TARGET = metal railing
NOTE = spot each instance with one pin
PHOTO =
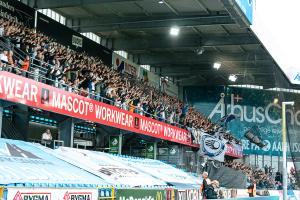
(38, 73)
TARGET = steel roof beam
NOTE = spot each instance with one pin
(140, 22)
(72, 3)
(182, 42)
(161, 59)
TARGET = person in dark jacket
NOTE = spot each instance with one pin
(206, 182)
(210, 191)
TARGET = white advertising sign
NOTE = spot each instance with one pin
(51, 194)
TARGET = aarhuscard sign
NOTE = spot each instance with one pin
(252, 108)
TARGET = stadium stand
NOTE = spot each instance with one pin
(90, 77)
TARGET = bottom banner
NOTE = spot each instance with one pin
(188, 194)
(140, 194)
(51, 194)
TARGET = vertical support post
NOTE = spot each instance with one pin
(1, 116)
(284, 149)
(284, 172)
(35, 15)
(120, 144)
(35, 19)
(155, 150)
(66, 132)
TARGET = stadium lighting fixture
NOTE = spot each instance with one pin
(161, 1)
(174, 31)
(217, 65)
(232, 77)
(199, 51)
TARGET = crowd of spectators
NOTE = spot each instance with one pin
(88, 76)
(293, 178)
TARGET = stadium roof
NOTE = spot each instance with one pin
(141, 27)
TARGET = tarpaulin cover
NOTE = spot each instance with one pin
(108, 168)
(161, 171)
(228, 178)
(26, 164)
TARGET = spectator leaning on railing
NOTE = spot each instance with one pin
(88, 76)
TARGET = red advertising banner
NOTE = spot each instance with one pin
(18, 89)
(234, 151)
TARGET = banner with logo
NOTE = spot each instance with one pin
(150, 150)
(23, 162)
(114, 144)
(252, 108)
(105, 166)
(25, 91)
(234, 150)
(140, 194)
(51, 194)
(212, 147)
(124, 65)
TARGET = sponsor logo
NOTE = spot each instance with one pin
(136, 198)
(253, 114)
(211, 146)
(158, 196)
(32, 196)
(136, 123)
(78, 196)
(297, 77)
(150, 148)
(45, 96)
(114, 141)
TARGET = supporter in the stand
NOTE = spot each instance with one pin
(89, 74)
(47, 137)
(3, 56)
(25, 66)
(278, 177)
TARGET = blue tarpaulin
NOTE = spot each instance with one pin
(27, 164)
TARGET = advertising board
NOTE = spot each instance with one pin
(253, 109)
(25, 91)
(51, 194)
(140, 194)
